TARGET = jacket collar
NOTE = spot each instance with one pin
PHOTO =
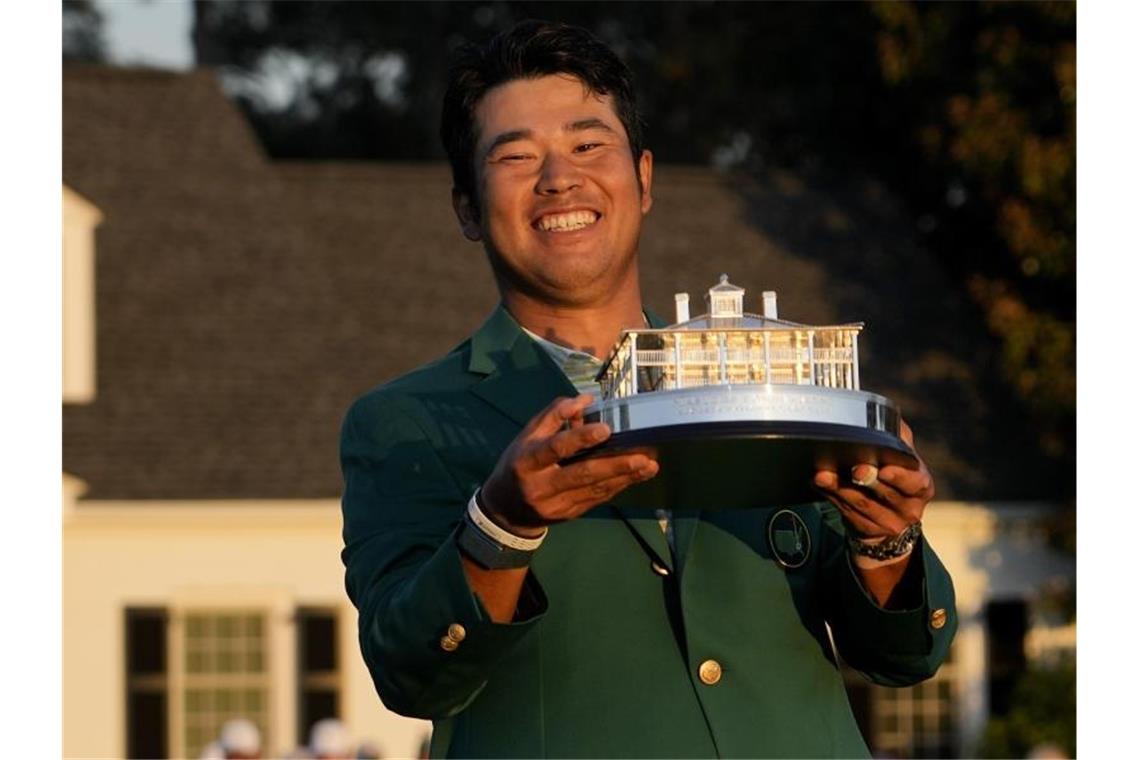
(520, 378)
(497, 337)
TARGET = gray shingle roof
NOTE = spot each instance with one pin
(242, 304)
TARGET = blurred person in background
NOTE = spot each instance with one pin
(329, 740)
(1047, 751)
(368, 750)
(240, 740)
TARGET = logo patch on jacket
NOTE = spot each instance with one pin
(789, 539)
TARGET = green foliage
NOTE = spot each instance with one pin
(1045, 711)
(82, 31)
(993, 131)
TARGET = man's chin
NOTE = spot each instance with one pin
(579, 286)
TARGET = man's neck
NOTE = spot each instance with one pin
(591, 329)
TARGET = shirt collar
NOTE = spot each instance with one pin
(579, 367)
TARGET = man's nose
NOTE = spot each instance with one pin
(558, 175)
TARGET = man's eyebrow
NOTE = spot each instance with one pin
(507, 137)
(584, 124)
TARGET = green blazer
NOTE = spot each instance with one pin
(604, 657)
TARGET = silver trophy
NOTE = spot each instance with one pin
(742, 409)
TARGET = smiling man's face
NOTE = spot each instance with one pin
(560, 204)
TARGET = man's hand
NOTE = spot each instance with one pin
(529, 489)
(880, 505)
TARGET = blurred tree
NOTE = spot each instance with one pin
(965, 110)
(984, 108)
(1044, 712)
(82, 31)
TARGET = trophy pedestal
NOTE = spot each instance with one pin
(732, 447)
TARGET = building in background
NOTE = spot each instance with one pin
(221, 312)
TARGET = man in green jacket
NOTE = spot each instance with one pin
(500, 593)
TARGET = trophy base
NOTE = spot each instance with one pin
(720, 448)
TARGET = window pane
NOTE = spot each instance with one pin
(194, 700)
(224, 700)
(227, 626)
(195, 662)
(316, 704)
(317, 642)
(146, 724)
(146, 701)
(146, 641)
(252, 701)
(197, 626)
(317, 659)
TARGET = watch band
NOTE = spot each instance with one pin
(503, 536)
(489, 545)
(890, 548)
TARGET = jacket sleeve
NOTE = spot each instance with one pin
(890, 647)
(401, 506)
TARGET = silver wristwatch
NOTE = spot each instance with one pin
(889, 549)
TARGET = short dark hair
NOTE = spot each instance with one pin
(528, 50)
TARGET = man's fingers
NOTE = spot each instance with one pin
(910, 484)
(889, 518)
(587, 472)
(580, 500)
(565, 443)
(555, 416)
(855, 519)
(905, 433)
(890, 521)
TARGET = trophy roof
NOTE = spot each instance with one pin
(745, 321)
(724, 286)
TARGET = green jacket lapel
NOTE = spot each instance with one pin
(520, 378)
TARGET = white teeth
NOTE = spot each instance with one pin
(575, 220)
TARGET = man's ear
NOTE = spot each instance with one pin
(645, 173)
(468, 215)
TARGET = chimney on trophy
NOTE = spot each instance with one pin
(769, 297)
(682, 300)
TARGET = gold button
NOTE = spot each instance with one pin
(448, 644)
(659, 568)
(710, 671)
(456, 632)
(938, 618)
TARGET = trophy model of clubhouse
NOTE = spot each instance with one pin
(742, 409)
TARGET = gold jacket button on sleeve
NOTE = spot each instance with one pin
(938, 618)
(456, 632)
(710, 672)
(659, 568)
(448, 644)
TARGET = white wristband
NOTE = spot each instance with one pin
(504, 537)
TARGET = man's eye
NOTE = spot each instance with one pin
(585, 147)
(514, 157)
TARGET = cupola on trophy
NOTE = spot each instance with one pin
(741, 408)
